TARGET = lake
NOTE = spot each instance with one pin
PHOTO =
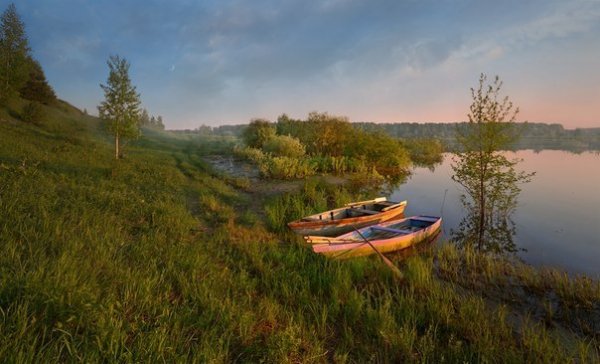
(558, 218)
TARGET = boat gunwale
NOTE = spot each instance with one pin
(333, 248)
(300, 224)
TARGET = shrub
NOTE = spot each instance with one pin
(258, 132)
(32, 112)
(381, 151)
(287, 168)
(251, 154)
(284, 146)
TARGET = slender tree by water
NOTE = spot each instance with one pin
(490, 180)
(121, 107)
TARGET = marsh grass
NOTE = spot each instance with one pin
(156, 258)
(314, 196)
(572, 302)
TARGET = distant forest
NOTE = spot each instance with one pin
(536, 136)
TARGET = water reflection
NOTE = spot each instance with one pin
(557, 222)
(498, 236)
(417, 249)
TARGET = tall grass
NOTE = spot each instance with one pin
(156, 259)
(314, 196)
(285, 168)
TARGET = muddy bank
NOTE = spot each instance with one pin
(239, 168)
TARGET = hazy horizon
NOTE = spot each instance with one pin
(226, 62)
(225, 123)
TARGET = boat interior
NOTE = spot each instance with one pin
(403, 227)
(353, 211)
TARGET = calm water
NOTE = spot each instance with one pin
(558, 218)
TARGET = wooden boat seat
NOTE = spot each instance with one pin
(398, 231)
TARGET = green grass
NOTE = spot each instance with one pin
(158, 258)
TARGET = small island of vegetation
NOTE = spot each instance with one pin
(330, 144)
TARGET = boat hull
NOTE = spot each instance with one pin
(327, 227)
(361, 248)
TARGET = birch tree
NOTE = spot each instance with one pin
(121, 106)
(490, 180)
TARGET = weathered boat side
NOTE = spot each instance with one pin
(330, 226)
(358, 247)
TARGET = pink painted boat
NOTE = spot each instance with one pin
(385, 237)
(345, 219)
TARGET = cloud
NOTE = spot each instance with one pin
(558, 20)
(230, 59)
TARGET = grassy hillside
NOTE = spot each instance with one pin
(158, 258)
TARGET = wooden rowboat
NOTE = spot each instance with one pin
(385, 237)
(345, 219)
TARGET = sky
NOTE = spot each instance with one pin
(227, 62)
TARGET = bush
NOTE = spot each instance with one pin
(32, 112)
(284, 146)
(381, 151)
(258, 132)
(251, 154)
(287, 168)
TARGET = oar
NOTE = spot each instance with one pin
(383, 257)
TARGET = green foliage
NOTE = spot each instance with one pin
(150, 122)
(314, 196)
(146, 260)
(257, 133)
(14, 53)
(384, 153)
(339, 165)
(321, 133)
(252, 154)
(328, 134)
(36, 88)
(32, 112)
(337, 147)
(287, 168)
(537, 136)
(121, 106)
(271, 166)
(284, 146)
(490, 180)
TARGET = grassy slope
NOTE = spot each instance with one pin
(154, 258)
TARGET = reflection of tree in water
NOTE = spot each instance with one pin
(498, 236)
(501, 190)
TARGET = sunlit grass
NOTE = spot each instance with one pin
(157, 258)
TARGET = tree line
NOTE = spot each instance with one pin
(20, 74)
(535, 136)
